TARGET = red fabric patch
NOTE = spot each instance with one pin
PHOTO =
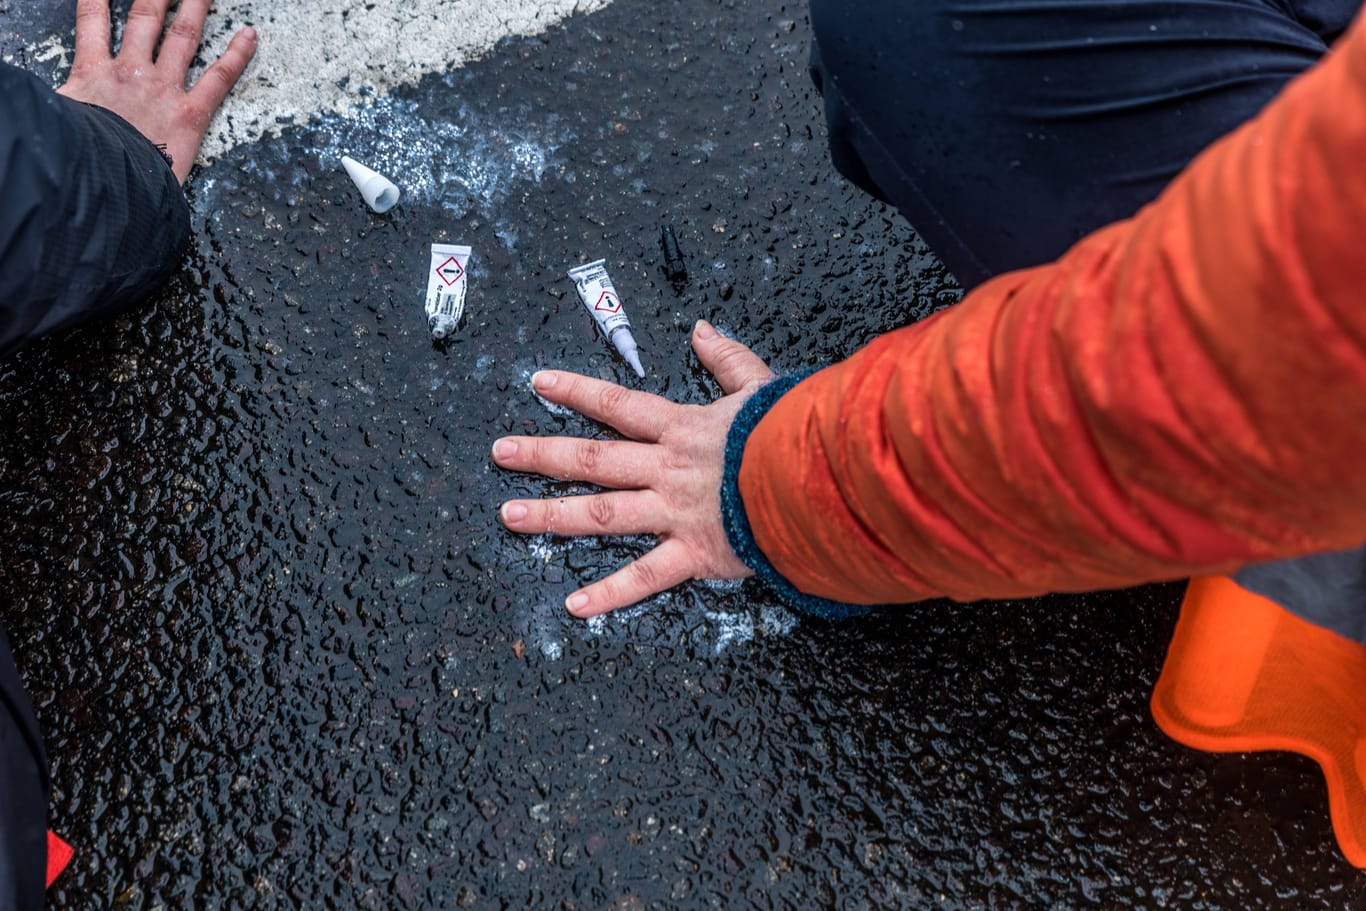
(59, 854)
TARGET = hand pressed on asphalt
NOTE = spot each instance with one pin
(146, 87)
(665, 480)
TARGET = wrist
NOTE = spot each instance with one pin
(736, 520)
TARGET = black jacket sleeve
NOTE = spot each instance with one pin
(91, 218)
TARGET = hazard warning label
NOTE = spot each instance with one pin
(608, 302)
(450, 271)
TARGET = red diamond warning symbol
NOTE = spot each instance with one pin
(608, 303)
(450, 271)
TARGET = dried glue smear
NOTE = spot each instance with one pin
(446, 288)
(600, 297)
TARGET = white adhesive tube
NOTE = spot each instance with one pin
(600, 297)
(446, 288)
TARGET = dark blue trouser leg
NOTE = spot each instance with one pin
(1006, 130)
(23, 794)
(1326, 589)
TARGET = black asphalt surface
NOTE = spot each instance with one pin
(286, 657)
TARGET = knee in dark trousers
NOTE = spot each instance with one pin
(1005, 132)
(23, 794)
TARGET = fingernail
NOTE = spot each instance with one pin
(514, 512)
(504, 449)
(249, 33)
(542, 379)
(576, 602)
(704, 330)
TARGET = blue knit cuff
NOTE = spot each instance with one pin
(736, 523)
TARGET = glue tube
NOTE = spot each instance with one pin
(446, 288)
(600, 297)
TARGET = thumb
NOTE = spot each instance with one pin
(734, 365)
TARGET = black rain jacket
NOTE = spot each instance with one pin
(91, 221)
(91, 218)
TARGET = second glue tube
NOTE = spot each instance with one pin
(598, 294)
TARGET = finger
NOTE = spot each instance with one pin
(183, 36)
(92, 32)
(733, 364)
(659, 570)
(607, 463)
(142, 31)
(220, 77)
(616, 512)
(638, 415)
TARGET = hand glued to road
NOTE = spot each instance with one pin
(144, 84)
(664, 479)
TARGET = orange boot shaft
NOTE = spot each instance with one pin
(1244, 674)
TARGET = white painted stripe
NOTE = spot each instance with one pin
(329, 56)
(317, 56)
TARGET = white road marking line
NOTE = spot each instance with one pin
(328, 55)
(320, 56)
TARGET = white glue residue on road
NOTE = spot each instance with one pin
(465, 164)
(680, 615)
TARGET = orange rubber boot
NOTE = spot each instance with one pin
(1243, 673)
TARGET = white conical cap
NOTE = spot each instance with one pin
(379, 191)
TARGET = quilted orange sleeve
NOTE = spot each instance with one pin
(1182, 392)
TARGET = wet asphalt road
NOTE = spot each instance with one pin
(286, 658)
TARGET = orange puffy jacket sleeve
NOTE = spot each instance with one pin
(1183, 392)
